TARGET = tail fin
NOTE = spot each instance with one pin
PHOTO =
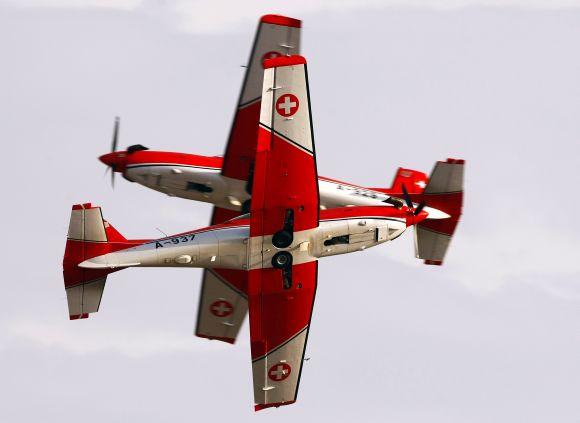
(89, 235)
(443, 192)
(413, 180)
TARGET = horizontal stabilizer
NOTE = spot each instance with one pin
(85, 298)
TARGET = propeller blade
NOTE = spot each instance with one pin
(407, 197)
(113, 177)
(419, 208)
(115, 135)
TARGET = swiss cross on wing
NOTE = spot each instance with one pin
(287, 105)
(279, 372)
(221, 308)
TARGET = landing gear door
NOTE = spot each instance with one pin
(336, 238)
(382, 233)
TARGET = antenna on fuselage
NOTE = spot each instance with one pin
(162, 232)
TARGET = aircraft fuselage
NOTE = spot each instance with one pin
(228, 246)
(199, 178)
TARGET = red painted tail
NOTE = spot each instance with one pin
(413, 180)
(89, 235)
(443, 192)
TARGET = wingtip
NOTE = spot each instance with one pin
(259, 407)
(83, 206)
(455, 161)
(434, 262)
(281, 20)
(216, 338)
(280, 61)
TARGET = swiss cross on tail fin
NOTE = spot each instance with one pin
(284, 213)
(413, 181)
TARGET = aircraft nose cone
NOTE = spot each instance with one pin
(116, 160)
(421, 216)
(107, 159)
(413, 219)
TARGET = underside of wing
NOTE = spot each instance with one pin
(279, 324)
(284, 214)
(223, 304)
(276, 36)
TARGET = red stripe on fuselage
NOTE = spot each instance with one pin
(165, 157)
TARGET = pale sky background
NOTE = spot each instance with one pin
(492, 336)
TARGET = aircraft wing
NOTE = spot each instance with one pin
(285, 198)
(276, 36)
(223, 304)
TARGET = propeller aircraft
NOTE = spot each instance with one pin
(274, 218)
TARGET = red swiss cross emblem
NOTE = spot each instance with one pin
(270, 55)
(279, 372)
(287, 105)
(221, 308)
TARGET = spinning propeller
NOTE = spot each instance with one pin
(114, 144)
(117, 160)
(410, 204)
(415, 212)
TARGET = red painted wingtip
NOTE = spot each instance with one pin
(79, 316)
(281, 20)
(217, 338)
(434, 262)
(456, 161)
(259, 407)
(82, 206)
(277, 62)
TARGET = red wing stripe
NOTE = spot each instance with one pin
(228, 284)
(281, 136)
(259, 407)
(281, 345)
(281, 20)
(249, 103)
(280, 61)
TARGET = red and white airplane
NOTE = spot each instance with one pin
(227, 182)
(264, 261)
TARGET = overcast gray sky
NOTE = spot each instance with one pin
(492, 336)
